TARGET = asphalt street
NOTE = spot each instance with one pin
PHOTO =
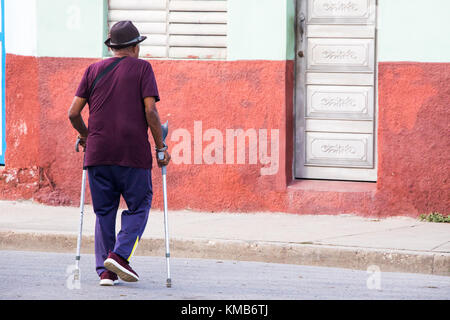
(43, 275)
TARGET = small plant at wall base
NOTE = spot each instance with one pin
(434, 217)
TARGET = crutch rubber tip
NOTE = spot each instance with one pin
(169, 283)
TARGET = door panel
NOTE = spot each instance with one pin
(345, 55)
(339, 149)
(335, 90)
(341, 11)
(340, 102)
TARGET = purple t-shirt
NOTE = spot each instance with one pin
(118, 130)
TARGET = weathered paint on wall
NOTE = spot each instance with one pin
(412, 174)
(20, 178)
(414, 30)
(413, 150)
(231, 92)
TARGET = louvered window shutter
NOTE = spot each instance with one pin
(183, 29)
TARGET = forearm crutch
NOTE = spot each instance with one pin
(80, 228)
(165, 130)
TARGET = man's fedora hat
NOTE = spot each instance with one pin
(123, 34)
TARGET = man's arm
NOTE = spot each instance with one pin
(77, 120)
(153, 121)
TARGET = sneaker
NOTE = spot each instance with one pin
(121, 267)
(108, 278)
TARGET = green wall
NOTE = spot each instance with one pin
(70, 28)
(261, 29)
(408, 30)
(414, 30)
(257, 29)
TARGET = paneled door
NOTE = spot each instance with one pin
(335, 107)
(2, 86)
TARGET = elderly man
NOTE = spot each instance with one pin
(121, 92)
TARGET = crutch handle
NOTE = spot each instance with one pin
(160, 154)
(165, 130)
(77, 144)
(161, 157)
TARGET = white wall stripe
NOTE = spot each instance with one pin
(20, 27)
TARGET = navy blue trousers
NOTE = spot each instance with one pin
(107, 184)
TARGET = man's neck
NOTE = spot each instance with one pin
(120, 55)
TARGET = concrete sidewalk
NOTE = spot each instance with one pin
(397, 244)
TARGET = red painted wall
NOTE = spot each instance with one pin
(413, 156)
(20, 178)
(414, 144)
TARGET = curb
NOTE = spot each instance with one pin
(387, 260)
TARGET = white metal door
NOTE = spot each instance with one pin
(335, 111)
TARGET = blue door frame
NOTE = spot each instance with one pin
(3, 133)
